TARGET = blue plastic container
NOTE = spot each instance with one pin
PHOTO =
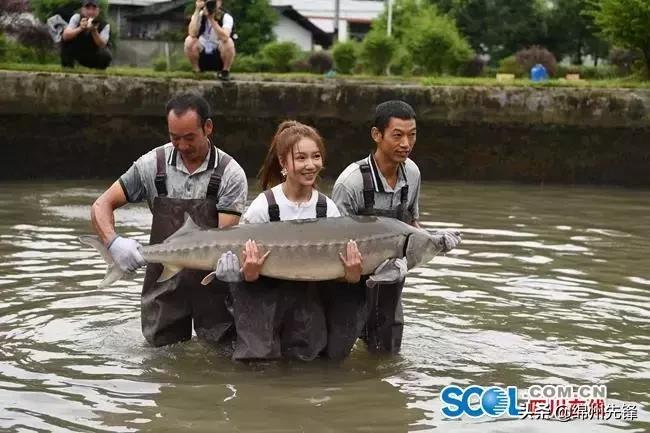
(538, 73)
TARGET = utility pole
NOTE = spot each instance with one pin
(337, 13)
(390, 17)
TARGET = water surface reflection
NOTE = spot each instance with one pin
(551, 285)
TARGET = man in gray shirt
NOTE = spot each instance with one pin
(186, 176)
(85, 38)
(386, 183)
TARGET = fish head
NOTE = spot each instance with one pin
(421, 247)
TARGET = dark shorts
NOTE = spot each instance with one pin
(210, 62)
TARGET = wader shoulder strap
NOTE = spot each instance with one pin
(321, 206)
(217, 174)
(274, 209)
(403, 202)
(404, 196)
(161, 173)
(368, 187)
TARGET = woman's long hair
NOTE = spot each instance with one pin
(287, 135)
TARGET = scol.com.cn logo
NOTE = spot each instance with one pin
(558, 402)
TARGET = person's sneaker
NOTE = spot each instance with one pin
(224, 75)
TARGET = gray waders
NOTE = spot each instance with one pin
(295, 320)
(385, 320)
(169, 307)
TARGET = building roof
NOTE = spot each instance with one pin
(158, 9)
(143, 3)
(350, 10)
(321, 37)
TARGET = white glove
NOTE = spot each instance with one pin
(228, 268)
(390, 271)
(126, 253)
(450, 239)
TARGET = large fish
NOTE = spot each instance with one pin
(301, 250)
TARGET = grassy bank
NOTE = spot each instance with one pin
(306, 78)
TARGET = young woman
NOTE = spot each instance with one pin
(288, 319)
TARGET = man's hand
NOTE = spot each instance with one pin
(228, 268)
(390, 271)
(83, 24)
(199, 5)
(126, 253)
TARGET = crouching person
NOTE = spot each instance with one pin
(85, 38)
(290, 319)
(210, 44)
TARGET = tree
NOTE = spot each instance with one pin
(431, 39)
(500, 27)
(626, 23)
(572, 32)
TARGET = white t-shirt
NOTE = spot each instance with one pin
(209, 39)
(258, 211)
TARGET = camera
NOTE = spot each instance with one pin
(211, 6)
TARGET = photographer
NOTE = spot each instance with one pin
(210, 45)
(85, 38)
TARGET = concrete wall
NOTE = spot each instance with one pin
(58, 125)
(287, 30)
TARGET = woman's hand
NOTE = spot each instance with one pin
(252, 261)
(352, 262)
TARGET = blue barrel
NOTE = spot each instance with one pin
(538, 73)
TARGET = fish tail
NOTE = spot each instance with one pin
(113, 272)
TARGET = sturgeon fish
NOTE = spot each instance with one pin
(301, 250)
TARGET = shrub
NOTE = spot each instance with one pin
(300, 65)
(602, 72)
(509, 65)
(529, 57)
(4, 46)
(280, 55)
(345, 56)
(15, 52)
(14, 6)
(178, 63)
(43, 9)
(245, 63)
(403, 62)
(248, 63)
(378, 51)
(320, 62)
(624, 60)
(473, 67)
(159, 64)
(437, 46)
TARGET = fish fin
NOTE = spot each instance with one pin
(168, 272)
(113, 272)
(96, 243)
(188, 227)
(209, 278)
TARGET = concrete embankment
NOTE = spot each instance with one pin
(74, 126)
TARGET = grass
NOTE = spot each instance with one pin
(125, 71)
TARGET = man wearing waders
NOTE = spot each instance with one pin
(386, 183)
(191, 176)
